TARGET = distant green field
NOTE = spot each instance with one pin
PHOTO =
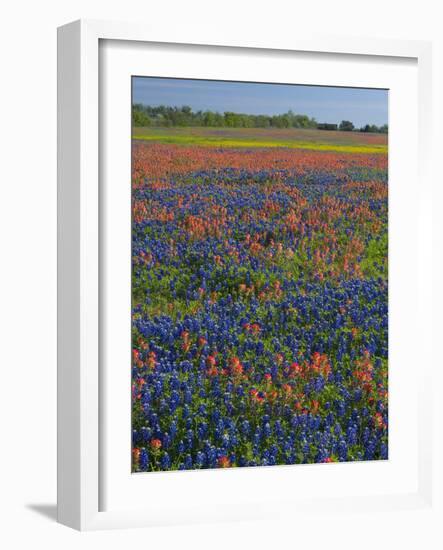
(320, 140)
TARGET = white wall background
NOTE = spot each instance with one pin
(28, 267)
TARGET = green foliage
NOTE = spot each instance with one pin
(375, 258)
(165, 116)
(140, 116)
(184, 116)
(373, 129)
(346, 126)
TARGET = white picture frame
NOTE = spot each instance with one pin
(80, 413)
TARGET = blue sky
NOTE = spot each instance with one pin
(324, 103)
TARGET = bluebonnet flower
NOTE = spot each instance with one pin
(290, 243)
(144, 459)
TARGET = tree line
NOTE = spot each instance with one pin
(165, 116)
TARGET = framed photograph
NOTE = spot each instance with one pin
(243, 281)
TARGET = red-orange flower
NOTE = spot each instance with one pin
(151, 360)
(224, 462)
(155, 444)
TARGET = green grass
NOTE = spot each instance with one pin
(376, 255)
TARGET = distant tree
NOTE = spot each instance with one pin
(218, 119)
(231, 119)
(167, 116)
(302, 121)
(139, 117)
(281, 121)
(209, 118)
(262, 121)
(346, 126)
(374, 129)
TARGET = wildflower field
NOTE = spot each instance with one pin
(260, 298)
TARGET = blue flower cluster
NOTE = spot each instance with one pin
(260, 317)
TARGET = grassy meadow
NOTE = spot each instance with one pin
(295, 138)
